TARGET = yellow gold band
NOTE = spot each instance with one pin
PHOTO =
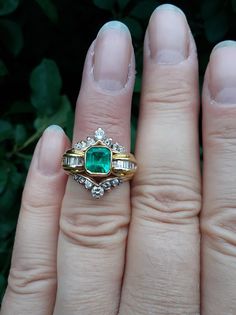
(123, 165)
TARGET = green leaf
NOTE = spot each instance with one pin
(7, 200)
(144, 9)
(49, 9)
(45, 82)
(6, 130)
(216, 27)
(59, 118)
(11, 36)
(20, 134)
(8, 197)
(3, 69)
(3, 178)
(15, 179)
(104, 4)
(134, 27)
(123, 3)
(6, 228)
(8, 6)
(20, 107)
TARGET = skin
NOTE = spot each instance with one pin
(138, 250)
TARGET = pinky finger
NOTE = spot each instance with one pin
(32, 279)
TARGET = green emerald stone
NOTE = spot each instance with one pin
(98, 160)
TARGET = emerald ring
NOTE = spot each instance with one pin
(99, 164)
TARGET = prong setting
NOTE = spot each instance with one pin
(99, 164)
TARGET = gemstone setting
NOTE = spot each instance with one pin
(99, 164)
(99, 134)
(97, 192)
(98, 160)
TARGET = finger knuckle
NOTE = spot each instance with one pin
(136, 302)
(219, 229)
(173, 99)
(42, 198)
(108, 119)
(223, 139)
(32, 279)
(168, 200)
(38, 209)
(95, 229)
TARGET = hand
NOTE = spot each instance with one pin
(76, 255)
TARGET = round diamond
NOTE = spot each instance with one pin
(78, 146)
(90, 141)
(121, 149)
(88, 184)
(83, 144)
(115, 146)
(108, 142)
(99, 134)
(115, 182)
(106, 185)
(118, 148)
(97, 191)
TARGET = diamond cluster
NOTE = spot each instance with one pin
(97, 162)
(97, 190)
(99, 135)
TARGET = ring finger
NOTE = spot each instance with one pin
(92, 237)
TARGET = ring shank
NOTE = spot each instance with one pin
(123, 165)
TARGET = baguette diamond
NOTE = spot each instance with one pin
(123, 164)
(73, 161)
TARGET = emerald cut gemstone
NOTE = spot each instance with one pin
(98, 160)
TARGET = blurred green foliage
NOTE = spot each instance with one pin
(42, 48)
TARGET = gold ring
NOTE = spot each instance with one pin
(99, 164)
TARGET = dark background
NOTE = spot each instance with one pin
(42, 49)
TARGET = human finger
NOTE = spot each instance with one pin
(32, 279)
(92, 240)
(219, 183)
(162, 268)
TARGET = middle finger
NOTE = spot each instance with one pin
(162, 270)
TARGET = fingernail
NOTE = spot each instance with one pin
(222, 73)
(168, 34)
(225, 43)
(50, 151)
(112, 54)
